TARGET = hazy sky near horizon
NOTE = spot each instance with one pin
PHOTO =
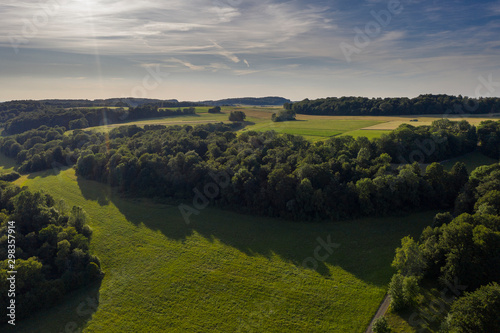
(212, 49)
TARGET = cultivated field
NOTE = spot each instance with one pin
(224, 272)
(313, 128)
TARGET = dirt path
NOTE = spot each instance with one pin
(382, 309)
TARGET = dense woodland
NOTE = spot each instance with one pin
(274, 174)
(423, 104)
(52, 254)
(462, 250)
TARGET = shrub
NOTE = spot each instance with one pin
(381, 326)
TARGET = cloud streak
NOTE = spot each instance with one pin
(264, 40)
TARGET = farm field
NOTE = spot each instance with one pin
(370, 134)
(224, 271)
(422, 121)
(313, 128)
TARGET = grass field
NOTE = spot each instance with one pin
(310, 127)
(471, 161)
(224, 272)
(370, 134)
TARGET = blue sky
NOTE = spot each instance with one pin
(211, 49)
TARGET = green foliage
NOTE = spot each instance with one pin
(283, 115)
(489, 138)
(409, 260)
(476, 312)
(489, 203)
(423, 104)
(9, 177)
(403, 291)
(442, 218)
(237, 116)
(381, 325)
(49, 251)
(215, 109)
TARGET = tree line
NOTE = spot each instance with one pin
(423, 104)
(82, 117)
(275, 174)
(52, 256)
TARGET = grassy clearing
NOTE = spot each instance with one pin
(7, 164)
(224, 272)
(471, 160)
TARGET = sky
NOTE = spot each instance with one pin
(212, 49)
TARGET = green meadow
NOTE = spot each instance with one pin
(222, 272)
(317, 128)
(259, 119)
(370, 134)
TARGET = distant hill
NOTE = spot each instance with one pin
(135, 102)
(119, 102)
(248, 101)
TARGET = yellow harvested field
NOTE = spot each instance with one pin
(394, 122)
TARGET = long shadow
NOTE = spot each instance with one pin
(244, 124)
(71, 315)
(364, 248)
(54, 171)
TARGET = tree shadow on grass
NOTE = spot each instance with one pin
(364, 248)
(55, 171)
(71, 315)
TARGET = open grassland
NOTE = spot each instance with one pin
(312, 127)
(224, 272)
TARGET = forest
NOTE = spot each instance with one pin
(277, 175)
(52, 256)
(461, 250)
(423, 104)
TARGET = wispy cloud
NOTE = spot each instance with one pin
(268, 39)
